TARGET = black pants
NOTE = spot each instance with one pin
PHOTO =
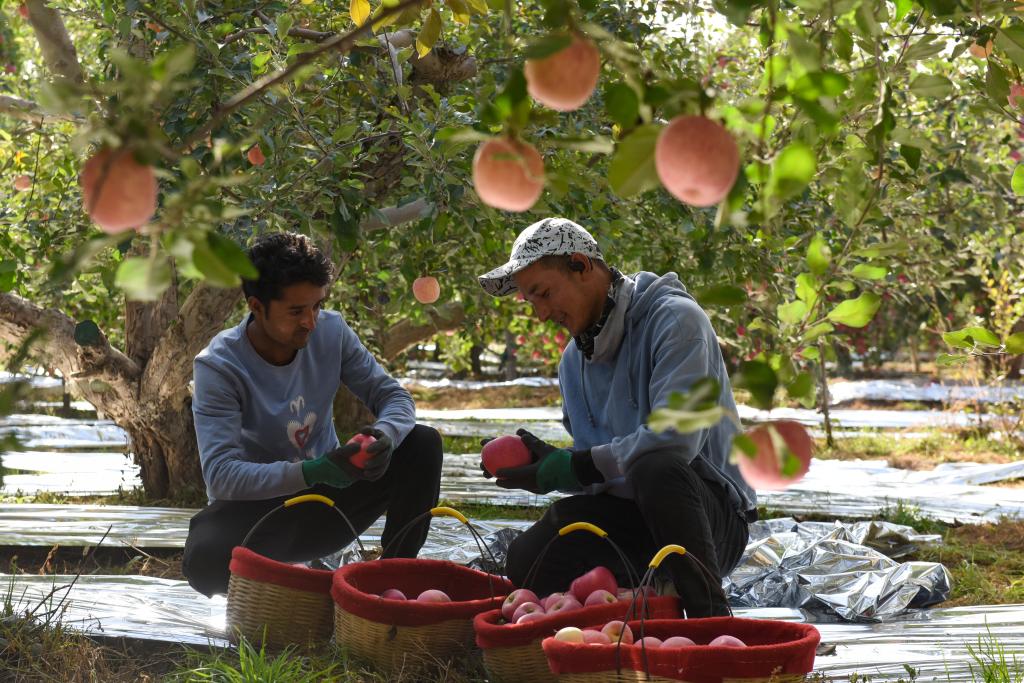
(672, 505)
(409, 488)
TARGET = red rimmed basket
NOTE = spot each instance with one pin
(512, 652)
(406, 634)
(776, 652)
(276, 603)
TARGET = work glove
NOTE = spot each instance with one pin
(552, 468)
(333, 468)
(380, 452)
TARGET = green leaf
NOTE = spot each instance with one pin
(701, 395)
(792, 312)
(232, 255)
(143, 280)
(359, 10)
(866, 271)
(722, 295)
(1017, 181)
(819, 256)
(213, 269)
(743, 446)
(930, 86)
(842, 43)
(816, 331)
(912, 156)
(1011, 39)
(631, 171)
(285, 23)
(997, 83)
(856, 312)
(792, 169)
(684, 421)
(622, 104)
(947, 360)
(902, 7)
(1015, 343)
(87, 333)
(758, 378)
(460, 11)
(807, 289)
(429, 34)
(548, 45)
(969, 337)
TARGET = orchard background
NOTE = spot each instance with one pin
(876, 209)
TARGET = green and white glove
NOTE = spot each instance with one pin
(334, 468)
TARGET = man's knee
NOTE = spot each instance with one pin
(424, 445)
(205, 566)
(658, 470)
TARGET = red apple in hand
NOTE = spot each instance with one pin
(515, 599)
(597, 578)
(359, 458)
(393, 594)
(433, 595)
(505, 451)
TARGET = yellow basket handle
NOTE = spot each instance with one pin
(309, 498)
(582, 526)
(443, 511)
(665, 552)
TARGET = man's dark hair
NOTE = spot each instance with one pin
(284, 259)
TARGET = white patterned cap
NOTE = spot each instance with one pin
(548, 237)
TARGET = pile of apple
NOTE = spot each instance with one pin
(430, 595)
(596, 587)
(613, 631)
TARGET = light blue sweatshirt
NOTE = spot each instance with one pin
(256, 422)
(666, 345)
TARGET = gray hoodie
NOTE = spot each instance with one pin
(257, 422)
(657, 340)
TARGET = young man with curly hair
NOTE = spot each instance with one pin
(263, 414)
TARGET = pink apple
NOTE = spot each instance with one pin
(595, 637)
(569, 634)
(426, 289)
(526, 608)
(505, 451)
(614, 628)
(598, 577)
(433, 595)
(677, 641)
(393, 594)
(600, 597)
(360, 457)
(530, 616)
(649, 642)
(547, 602)
(568, 603)
(515, 599)
(727, 641)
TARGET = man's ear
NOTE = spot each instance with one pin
(579, 263)
(256, 306)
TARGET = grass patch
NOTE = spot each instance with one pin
(484, 511)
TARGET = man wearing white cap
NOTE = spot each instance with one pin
(636, 340)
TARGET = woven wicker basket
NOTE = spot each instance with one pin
(277, 604)
(513, 653)
(401, 635)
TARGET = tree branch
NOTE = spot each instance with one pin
(404, 334)
(29, 111)
(339, 43)
(54, 41)
(305, 33)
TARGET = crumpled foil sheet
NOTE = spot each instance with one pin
(836, 570)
